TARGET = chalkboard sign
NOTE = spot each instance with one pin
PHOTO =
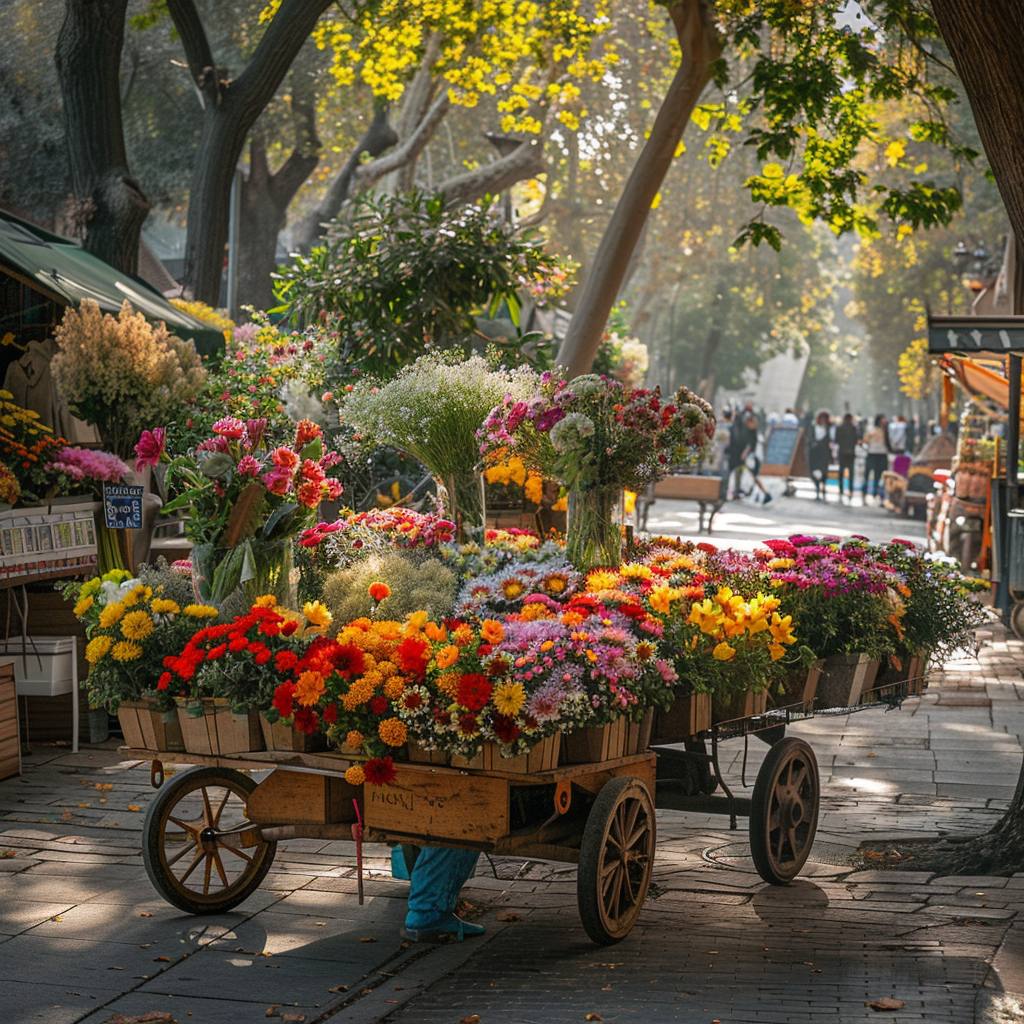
(122, 507)
(780, 449)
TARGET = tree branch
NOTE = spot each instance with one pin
(196, 45)
(410, 149)
(524, 162)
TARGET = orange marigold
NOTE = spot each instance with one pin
(309, 688)
(394, 687)
(392, 731)
(449, 683)
(354, 739)
(378, 591)
(463, 635)
(355, 776)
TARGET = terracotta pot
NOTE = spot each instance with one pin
(689, 715)
(603, 743)
(844, 678)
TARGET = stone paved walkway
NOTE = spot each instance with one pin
(83, 935)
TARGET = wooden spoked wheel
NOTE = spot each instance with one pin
(201, 852)
(784, 810)
(616, 860)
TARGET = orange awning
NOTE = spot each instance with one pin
(978, 379)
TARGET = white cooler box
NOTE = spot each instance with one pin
(46, 666)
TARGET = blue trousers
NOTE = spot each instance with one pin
(438, 875)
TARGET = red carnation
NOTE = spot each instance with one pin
(269, 628)
(283, 699)
(505, 728)
(262, 657)
(306, 721)
(238, 643)
(330, 715)
(284, 661)
(347, 660)
(412, 655)
(474, 690)
(164, 681)
(216, 652)
(378, 705)
(379, 771)
(632, 611)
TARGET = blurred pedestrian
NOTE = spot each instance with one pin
(876, 442)
(847, 437)
(819, 452)
(751, 461)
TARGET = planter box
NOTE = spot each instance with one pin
(844, 677)
(918, 681)
(729, 707)
(689, 715)
(542, 757)
(237, 734)
(800, 689)
(145, 725)
(603, 743)
(10, 753)
(198, 726)
(638, 734)
(420, 755)
(278, 736)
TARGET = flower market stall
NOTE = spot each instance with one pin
(413, 677)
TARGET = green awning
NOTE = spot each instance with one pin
(68, 274)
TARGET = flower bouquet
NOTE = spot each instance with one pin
(247, 499)
(598, 437)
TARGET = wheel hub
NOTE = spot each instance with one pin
(208, 839)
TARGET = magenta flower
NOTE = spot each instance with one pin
(229, 427)
(150, 448)
(249, 466)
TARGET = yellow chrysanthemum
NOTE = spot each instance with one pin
(317, 614)
(533, 612)
(82, 605)
(602, 579)
(636, 571)
(355, 776)
(126, 650)
(97, 648)
(136, 625)
(164, 606)
(509, 698)
(265, 601)
(200, 611)
(111, 615)
(354, 739)
(386, 668)
(392, 731)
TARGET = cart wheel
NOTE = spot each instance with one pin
(201, 852)
(1017, 619)
(784, 810)
(616, 859)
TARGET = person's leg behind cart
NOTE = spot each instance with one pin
(437, 876)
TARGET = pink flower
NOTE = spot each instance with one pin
(83, 464)
(254, 431)
(229, 427)
(249, 466)
(278, 481)
(284, 458)
(150, 448)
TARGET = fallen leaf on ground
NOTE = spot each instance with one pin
(368, 938)
(320, 924)
(473, 1019)
(338, 988)
(272, 1010)
(132, 807)
(886, 1005)
(297, 1017)
(115, 968)
(56, 917)
(161, 959)
(145, 913)
(594, 1016)
(156, 1017)
(7, 853)
(508, 915)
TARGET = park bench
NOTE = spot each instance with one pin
(708, 491)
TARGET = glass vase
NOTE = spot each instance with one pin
(232, 578)
(593, 536)
(464, 504)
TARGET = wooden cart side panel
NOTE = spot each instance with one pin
(436, 806)
(300, 798)
(644, 770)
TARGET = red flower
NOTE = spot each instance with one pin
(283, 699)
(262, 657)
(216, 652)
(164, 681)
(378, 704)
(306, 432)
(289, 627)
(467, 724)
(269, 628)
(504, 728)
(379, 591)
(474, 690)
(306, 720)
(238, 643)
(330, 715)
(632, 611)
(379, 771)
(484, 649)
(284, 661)
(708, 549)
(347, 660)
(412, 655)
(412, 700)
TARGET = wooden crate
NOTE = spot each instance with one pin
(10, 761)
(689, 715)
(542, 757)
(278, 736)
(604, 743)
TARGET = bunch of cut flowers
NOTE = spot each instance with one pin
(498, 593)
(358, 534)
(131, 623)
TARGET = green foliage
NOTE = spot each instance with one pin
(403, 274)
(415, 584)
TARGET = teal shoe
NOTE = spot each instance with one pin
(447, 926)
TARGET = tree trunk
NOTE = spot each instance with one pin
(230, 107)
(701, 45)
(110, 204)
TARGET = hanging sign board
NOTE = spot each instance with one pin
(783, 448)
(967, 334)
(122, 507)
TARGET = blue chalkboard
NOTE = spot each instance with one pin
(122, 507)
(780, 447)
